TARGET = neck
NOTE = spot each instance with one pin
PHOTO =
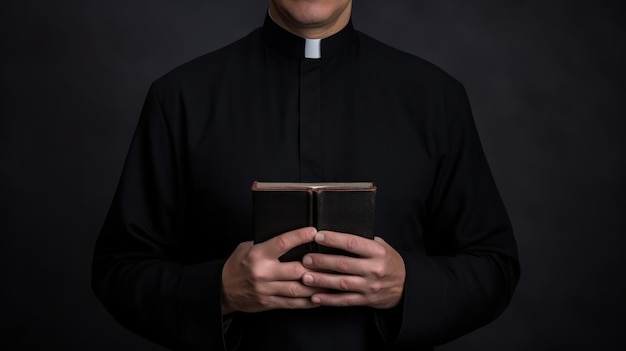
(313, 30)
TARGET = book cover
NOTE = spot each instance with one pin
(339, 207)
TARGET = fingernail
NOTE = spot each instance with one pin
(319, 237)
(315, 299)
(307, 261)
(307, 278)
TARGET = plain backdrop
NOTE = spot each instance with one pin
(547, 83)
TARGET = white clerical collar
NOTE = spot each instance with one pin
(312, 47)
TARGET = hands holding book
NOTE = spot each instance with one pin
(374, 278)
(254, 279)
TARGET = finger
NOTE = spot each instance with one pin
(280, 244)
(336, 263)
(289, 289)
(358, 245)
(269, 271)
(286, 271)
(279, 302)
(340, 282)
(339, 299)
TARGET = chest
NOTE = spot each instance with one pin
(301, 122)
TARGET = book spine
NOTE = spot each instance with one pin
(313, 219)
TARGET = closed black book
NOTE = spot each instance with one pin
(340, 207)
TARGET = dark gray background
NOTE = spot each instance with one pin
(546, 80)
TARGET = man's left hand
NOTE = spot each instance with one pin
(375, 278)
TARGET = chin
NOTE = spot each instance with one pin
(313, 13)
(311, 16)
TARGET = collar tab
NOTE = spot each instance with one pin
(312, 48)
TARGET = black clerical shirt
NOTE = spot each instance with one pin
(259, 110)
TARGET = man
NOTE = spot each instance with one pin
(305, 98)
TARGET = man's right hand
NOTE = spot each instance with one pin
(254, 280)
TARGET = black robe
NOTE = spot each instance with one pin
(258, 110)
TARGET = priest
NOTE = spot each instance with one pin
(305, 98)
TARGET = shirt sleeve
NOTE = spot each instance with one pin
(470, 269)
(139, 271)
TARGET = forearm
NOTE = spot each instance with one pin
(172, 304)
(447, 297)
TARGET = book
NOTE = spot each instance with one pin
(340, 207)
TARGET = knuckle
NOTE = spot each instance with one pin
(264, 302)
(296, 271)
(258, 275)
(371, 301)
(295, 303)
(342, 265)
(253, 255)
(379, 250)
(253, 278)
(256, 290)
(344, 285)
(294, 290)
(283, 243)
(352, 244)
(379, 272)
(289, 304)
(375, 288)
